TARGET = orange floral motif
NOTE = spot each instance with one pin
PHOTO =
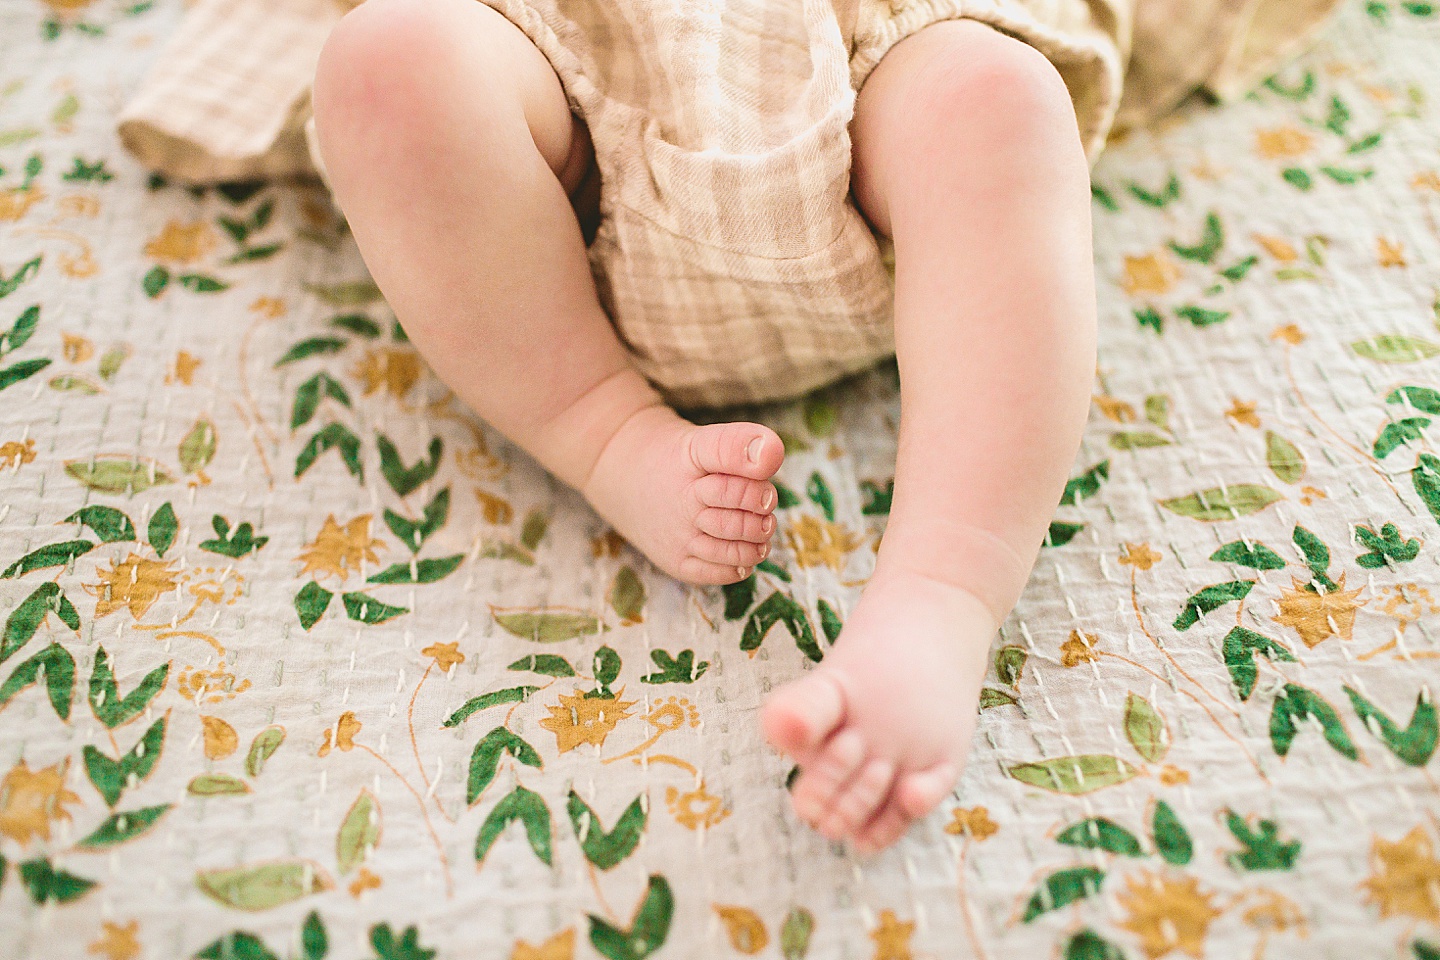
(1115, 409)
(269, 307)
(446, 655)
(559, 947)
(1167, 913)
(184, 370)
(1139, 556)
(75, 348)
(14, 204)
(1283, 143)
(1408, 603)
(182, 243)
(13, 453)
(892, 937)
(1427, 180)
(364, 880)
(816, 542)
(1278, 247)
(79, 205)
(971, 822)
(1173, 776)
(1080, 648)
(32, 800)
(1319, 616)
(220, 738)
(1405, 877)
(578, 719)
(338, 551)
(345, 729)
(1274, 913)
(494, 509)
(393, 369)
(1242, 412)
(135, 583)
(1289, 333)
(696, 808)
(212, 686)
(672, 714)
(1390, 253)
(117, 941)
(1152, 273)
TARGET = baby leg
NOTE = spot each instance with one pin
(451, 148)
(966, 153)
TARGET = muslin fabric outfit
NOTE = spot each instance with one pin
(729, 255)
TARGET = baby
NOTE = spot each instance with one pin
(466, 178)
(584, 211)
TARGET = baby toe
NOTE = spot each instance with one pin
(826, 774)
(734, 553)
(743, 449)
(883, 829)
(735, 493)
(735, 525)
(705, 573)
(921, 792)
(800, 715)
(859, 801)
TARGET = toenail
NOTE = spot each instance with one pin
(753, 451)
(743, 572)
(768, 525)
(769, 500)
(765, 551)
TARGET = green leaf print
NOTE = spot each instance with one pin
(406, 947)
(1100, 833)
(25, 620)
(544, 663)
(1145, 729)
(56, 666)
(262, 748)
(1211, 598)
(487, 700)
(314, 942)
(356, 294)
(311, 347)
(1423, 399)
(795, 933)
(162, 529)
(309, 394)
(414, 533)
(45, 884)
(1426, 478)
(1076, 775)
(107, 523)
(681, 668)
(830, 622)
(366, 609)
(264, 885)
(819, 493)
(197, 448)
(1255, 555)
(1061, 889)
(1413, 745)
(112, 777)
(1240, 649)
(25, 271)
(1171, 838)
(20, 331)
(1089, 945)
(779, 608)
(233, 544)
(1086, 485)
(1211, 240)
(216, 785)
(419, 571)
(627, 596)
(333, 436)
(1060, 534)
(1284, 458)
(1162, 198)
(547, 626)
(525, 806)
(1010, 664)
(359, 832)
(404, 480)
(1201, 316)
(1398, 434)
(237, 946)
(122, 826)
(1387, 547)
(1299, 704)
(1395, 348)
(54, 555)
(1150, 317)
(648, 927)
(1223, 503)
(1264, 850)
(127, 475)
(1317, 556)
(109, 707)
(485, 759)
(311, 602)
(606, 850)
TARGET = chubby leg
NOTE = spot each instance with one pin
(966, 153)
(451, 149)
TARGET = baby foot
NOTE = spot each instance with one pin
(696, 500)
(882, 727)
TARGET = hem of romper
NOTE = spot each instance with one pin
(1090, 65)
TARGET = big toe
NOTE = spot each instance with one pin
(742, 449)
(802, 714)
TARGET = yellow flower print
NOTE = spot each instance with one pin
(1407, 603)
(816, 542)
(1319, 616)
(1390, 253)
(220, 738)
(892, 937)
(1153, 273)
(580, 719)
(1080, 648)
(394, 369)
(31, 800)
(345, 729)
(182, 243)
(77, 349)
(364, 880)
(672, 714)
(1283, 143)
(1167, 913)
(559, 947)
(184, 370)
(13, 453)
(1274, 913)
(79, 205)
(269, 307)
(1278, 247)
(1242, 412)
(117, 941)
(695, 808)
(14, 204)
(971, 822)
(1115, 409)
(340, 552)
(1289, 333)
(134, 582)
(1139, 556)
(494, 509)
(1173, 776)
(1405, 877)
(446, 655)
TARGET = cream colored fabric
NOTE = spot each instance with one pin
(729, 255)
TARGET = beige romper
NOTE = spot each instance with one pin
(729, 254)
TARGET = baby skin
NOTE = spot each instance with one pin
(451, 148)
